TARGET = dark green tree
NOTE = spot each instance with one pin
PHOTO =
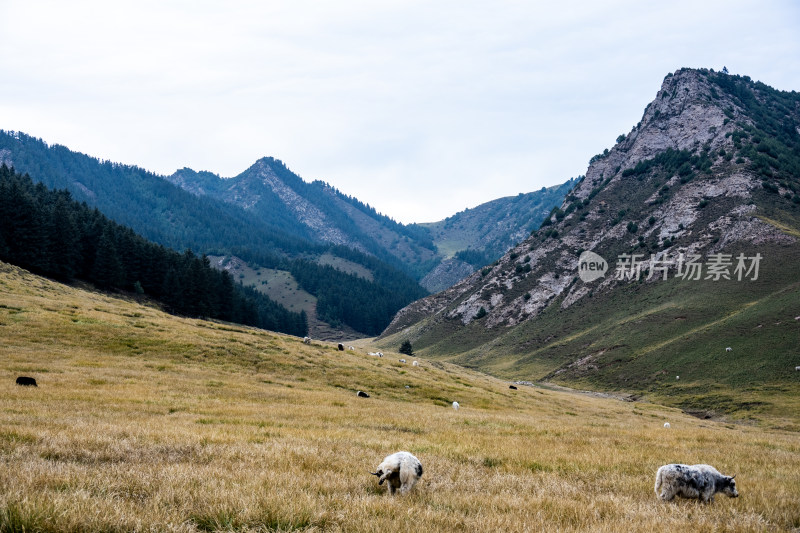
(406, 348)
(107, 271)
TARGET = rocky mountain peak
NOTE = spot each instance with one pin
(672, 185)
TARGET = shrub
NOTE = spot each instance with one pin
(769, 187)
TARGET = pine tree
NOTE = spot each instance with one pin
(63, 247)
(107, 271)
(406, 348)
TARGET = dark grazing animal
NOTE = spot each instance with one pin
(513, 387)
(341, 347)
(362, 394)
(25, 381)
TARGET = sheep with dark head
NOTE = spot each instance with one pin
(693, 481)
(402, 470)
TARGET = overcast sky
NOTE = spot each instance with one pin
(420, 109)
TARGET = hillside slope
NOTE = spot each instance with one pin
(438, 253)
(712, 168)
(314, 211)
(476, 237)
(168, 215)
(143, 421)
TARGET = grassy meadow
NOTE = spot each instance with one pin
(639, 336)
(143, 421)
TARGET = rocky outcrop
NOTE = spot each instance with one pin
(446, 274)
(306, 212)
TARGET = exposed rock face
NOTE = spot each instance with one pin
(5, 158)
(304, 210)
(701, 207)
(446, 274)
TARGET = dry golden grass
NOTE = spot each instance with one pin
(147, 422)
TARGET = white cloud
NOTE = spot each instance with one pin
(419, 108)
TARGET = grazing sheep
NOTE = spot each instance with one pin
(677, 377)
(456, 406)
(341, 347)
(415, 363)
(402, 360)
(306, 340)
(696, 481)
(512, 387)
(666, 425)
(797, 368)
(402, 470)
(351, 348)
(26, 381)
(362, 394)
(728, 349)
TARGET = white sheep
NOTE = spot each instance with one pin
(402, 360)
(456, 406)
(728, 349)
(401, 469)
(306, 340)
(415, 363)
(666, 425)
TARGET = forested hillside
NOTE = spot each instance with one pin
(316, 211)
(180, 219)
(50, 233)
(271, 218)
(145, 202)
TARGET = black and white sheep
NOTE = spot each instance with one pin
(695, 481)
(402, 470)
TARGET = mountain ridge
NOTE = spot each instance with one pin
(267, 216)
(320, 212)
(710, 169)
